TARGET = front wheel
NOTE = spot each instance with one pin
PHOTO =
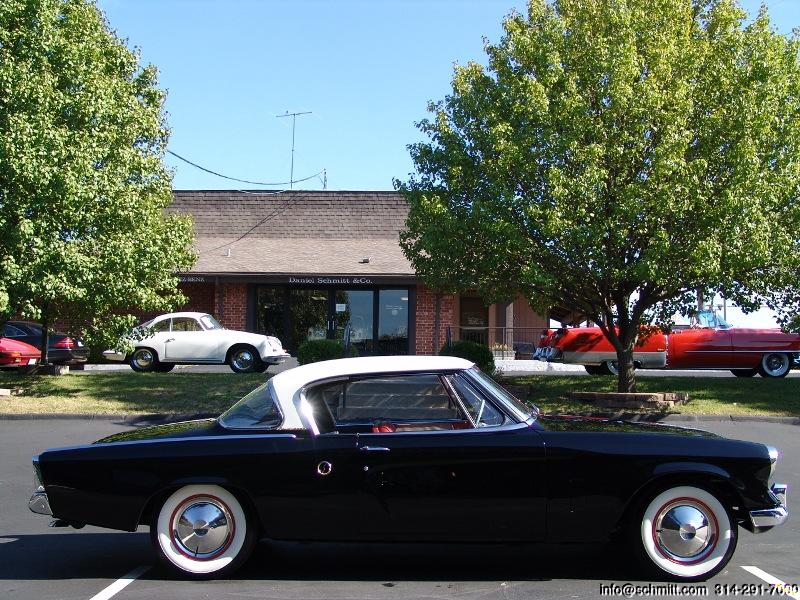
(774, 364)
(685, 533)
(245, 359)
(202, 531)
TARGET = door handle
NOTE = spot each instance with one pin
(170, 340)
(373, 449)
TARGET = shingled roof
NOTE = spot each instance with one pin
(314, 232)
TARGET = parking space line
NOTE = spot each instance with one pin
(121, 583)
(763, 575)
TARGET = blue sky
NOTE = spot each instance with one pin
(365, 69)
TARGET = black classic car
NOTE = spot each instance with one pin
(413, 449)
(62, 349)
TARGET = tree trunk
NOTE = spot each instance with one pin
(45, 339)
(627, 378)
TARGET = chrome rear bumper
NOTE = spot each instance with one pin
(39, 503)
(769, 517)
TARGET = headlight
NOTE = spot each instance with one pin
(37, 473)
(773, 459)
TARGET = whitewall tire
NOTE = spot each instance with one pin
(775, 364)
(202, 531)
(686, 533)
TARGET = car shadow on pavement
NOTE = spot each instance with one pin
(77, 555)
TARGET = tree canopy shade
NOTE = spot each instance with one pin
(83, 189)
(614, 157)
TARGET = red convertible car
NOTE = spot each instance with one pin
(16, 354)
(708, 343)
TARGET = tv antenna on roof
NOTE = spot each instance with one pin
(294, 116)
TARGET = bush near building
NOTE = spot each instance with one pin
(472, 351)
(316, 350)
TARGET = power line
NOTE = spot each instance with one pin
(289, 183)
(276, 211)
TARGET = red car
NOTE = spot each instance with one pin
(709, 343)
(16, 354)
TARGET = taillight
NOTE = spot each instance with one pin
(65, 343)
(12, 357)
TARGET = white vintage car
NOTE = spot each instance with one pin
(198, 338)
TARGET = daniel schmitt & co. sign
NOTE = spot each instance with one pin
(335, 280)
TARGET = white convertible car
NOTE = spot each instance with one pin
(198, 338)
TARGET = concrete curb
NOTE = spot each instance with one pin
(161, 418)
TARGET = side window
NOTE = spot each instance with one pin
(11, 331)
(401, 398)
(482, 412)
(161, 326)
(185, 324)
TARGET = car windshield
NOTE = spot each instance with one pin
(210, 322)
(522, 410)
(258, 409)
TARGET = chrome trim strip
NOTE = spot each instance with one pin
(761, 351)
(39, 503)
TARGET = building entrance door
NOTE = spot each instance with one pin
(356, 308)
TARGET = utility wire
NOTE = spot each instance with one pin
(186, 160)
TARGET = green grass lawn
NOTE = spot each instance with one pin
(707, 395)
(127, 392)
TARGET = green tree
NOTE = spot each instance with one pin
(83, 232)
(614, 158)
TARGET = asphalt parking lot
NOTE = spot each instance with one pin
(37, 562)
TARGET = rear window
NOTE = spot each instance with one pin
(257, 410)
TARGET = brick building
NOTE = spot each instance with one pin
(304, 264)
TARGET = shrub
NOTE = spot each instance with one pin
(316, 350)
(477, 353)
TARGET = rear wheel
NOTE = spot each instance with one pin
(774, 364)
(684, 533)
(594, 369)
(143, 360)
(164, 367)
(609, 367)
(744, 372)
(202, 531)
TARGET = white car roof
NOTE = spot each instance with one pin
(193, 315)
(287, 384)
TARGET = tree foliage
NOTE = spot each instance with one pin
(83, 188)
(613, 158)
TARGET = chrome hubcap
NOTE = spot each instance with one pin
(243, 359)
(684, 532)
(776, 363)
(143, 358)
(202, 528)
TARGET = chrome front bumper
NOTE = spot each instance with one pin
(769, 517)
(39, 503)
(275, 359)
